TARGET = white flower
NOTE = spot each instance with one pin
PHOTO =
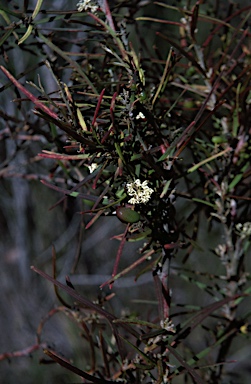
(244, 230)
(139, 191)
(140, 116)
(220, 250)
(87, 5)
(92, 167)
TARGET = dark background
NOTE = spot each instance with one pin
(28, 228)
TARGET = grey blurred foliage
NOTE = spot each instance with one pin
(28, 229)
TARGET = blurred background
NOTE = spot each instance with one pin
(30, 225)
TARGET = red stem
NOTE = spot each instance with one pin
(30, 96)
(98, 106)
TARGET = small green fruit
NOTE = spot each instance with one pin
(127, 215)
(188, 104)
(219, 139)
(143, 96)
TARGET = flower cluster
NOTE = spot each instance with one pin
(139, 191)
(87, 5)
(168, 325)
(244, 230)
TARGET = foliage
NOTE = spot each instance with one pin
(155, 129)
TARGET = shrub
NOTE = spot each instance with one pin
(148, 124)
